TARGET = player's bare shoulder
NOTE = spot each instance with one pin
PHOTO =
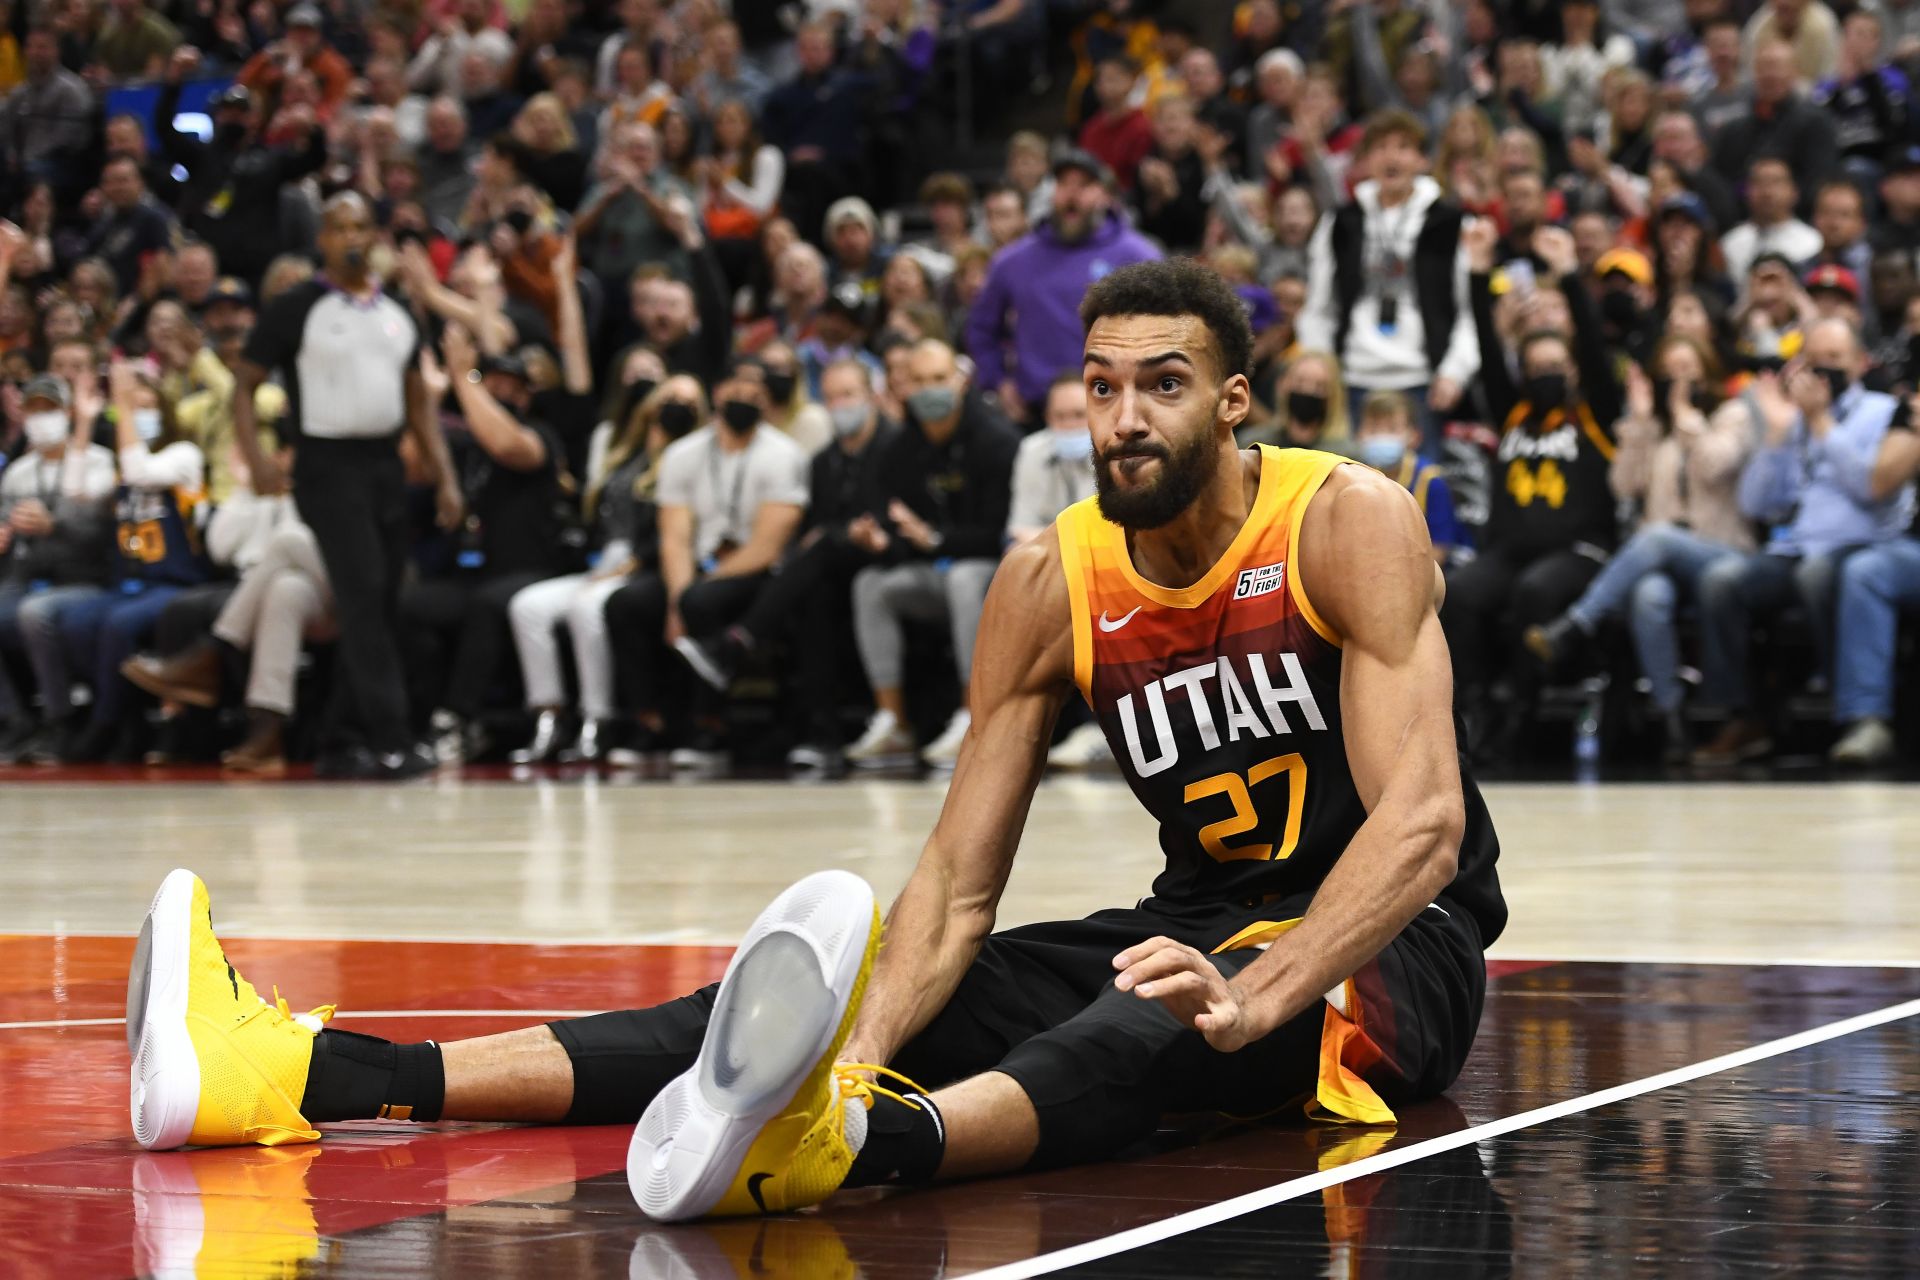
(1363, 538)
(1028, 622)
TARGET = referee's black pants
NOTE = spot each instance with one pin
(353, 495)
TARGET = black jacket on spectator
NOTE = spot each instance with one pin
(232, 200)
(961, 488)
(1434, 253)
(828, 111)
(1796, 131)
(517, 515)
(1550, 485)
(703, 353)
(124, 236)
(79, 548)
(1181, 223)
(842, 487)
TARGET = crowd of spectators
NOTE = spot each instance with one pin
(748, 373)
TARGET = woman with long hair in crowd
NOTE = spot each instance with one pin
(162, 477)
(741, 189)
(618, 504)
(791, 406)
(1465, 163)
(1681, 447)
(551, 158)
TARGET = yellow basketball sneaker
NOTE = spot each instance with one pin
(214, 1065)
(760, 1124)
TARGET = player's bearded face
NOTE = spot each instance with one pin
(1147, 483)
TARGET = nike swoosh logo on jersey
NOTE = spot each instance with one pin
(1114, 624)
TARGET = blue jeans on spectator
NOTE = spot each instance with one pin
(104, 630)
(1645, 578)
(1733, 590)
(1874, 586)
(1433, 426)
(29, 614)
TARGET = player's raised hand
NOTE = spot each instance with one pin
(1191, 989)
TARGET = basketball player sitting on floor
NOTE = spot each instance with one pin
(1256, 632)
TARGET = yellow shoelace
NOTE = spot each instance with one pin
(323, 1013)
(852, 1085)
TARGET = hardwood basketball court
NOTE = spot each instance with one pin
(1701, 1045)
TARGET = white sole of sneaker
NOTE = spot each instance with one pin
(779, 1007)
(166, 1072)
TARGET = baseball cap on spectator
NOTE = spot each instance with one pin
(1086, 162)
(851, 207)
(1773, 258)
(507, 363)
(1833, 278)
(848, 299)
(1630, 263)
(229, 289)
(47, 386)
(303, 15)
(1687, 205)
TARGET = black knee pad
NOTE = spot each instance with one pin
(622, 1059)
(1095, 1089)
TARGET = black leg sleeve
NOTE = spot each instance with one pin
(622, 1059)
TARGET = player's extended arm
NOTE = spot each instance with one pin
(1022, 672)
(1365, 556)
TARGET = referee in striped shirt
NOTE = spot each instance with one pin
(348, 356)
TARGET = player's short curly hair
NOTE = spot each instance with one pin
(1177, 287)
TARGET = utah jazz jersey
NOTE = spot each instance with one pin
(1221, 700)
(160, 536)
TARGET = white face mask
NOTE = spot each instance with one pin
(49, 429)
(146, 425)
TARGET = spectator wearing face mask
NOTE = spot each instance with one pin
(56, 534)
(1680, 455)
(1023, 330)
(946, 483)
(161, 478)
(1310, 407)
(809, 600)
(1551, 517)
(512, 478)
(619, 505)
(1812, 483)
(731, 496)
(1389, 441)
(790, 404)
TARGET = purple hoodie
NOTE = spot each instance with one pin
(1030, 305)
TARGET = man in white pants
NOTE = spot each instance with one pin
(283, 602)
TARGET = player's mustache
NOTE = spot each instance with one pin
(1136, 449)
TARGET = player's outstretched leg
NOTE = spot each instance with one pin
(213, 1063)
(761, 1123)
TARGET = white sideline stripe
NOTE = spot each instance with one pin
(1193, 1220)
(1716, 959)
(349, 1016)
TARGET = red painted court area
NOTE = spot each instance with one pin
(77, 1196)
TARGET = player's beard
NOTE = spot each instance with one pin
(1185, 472)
